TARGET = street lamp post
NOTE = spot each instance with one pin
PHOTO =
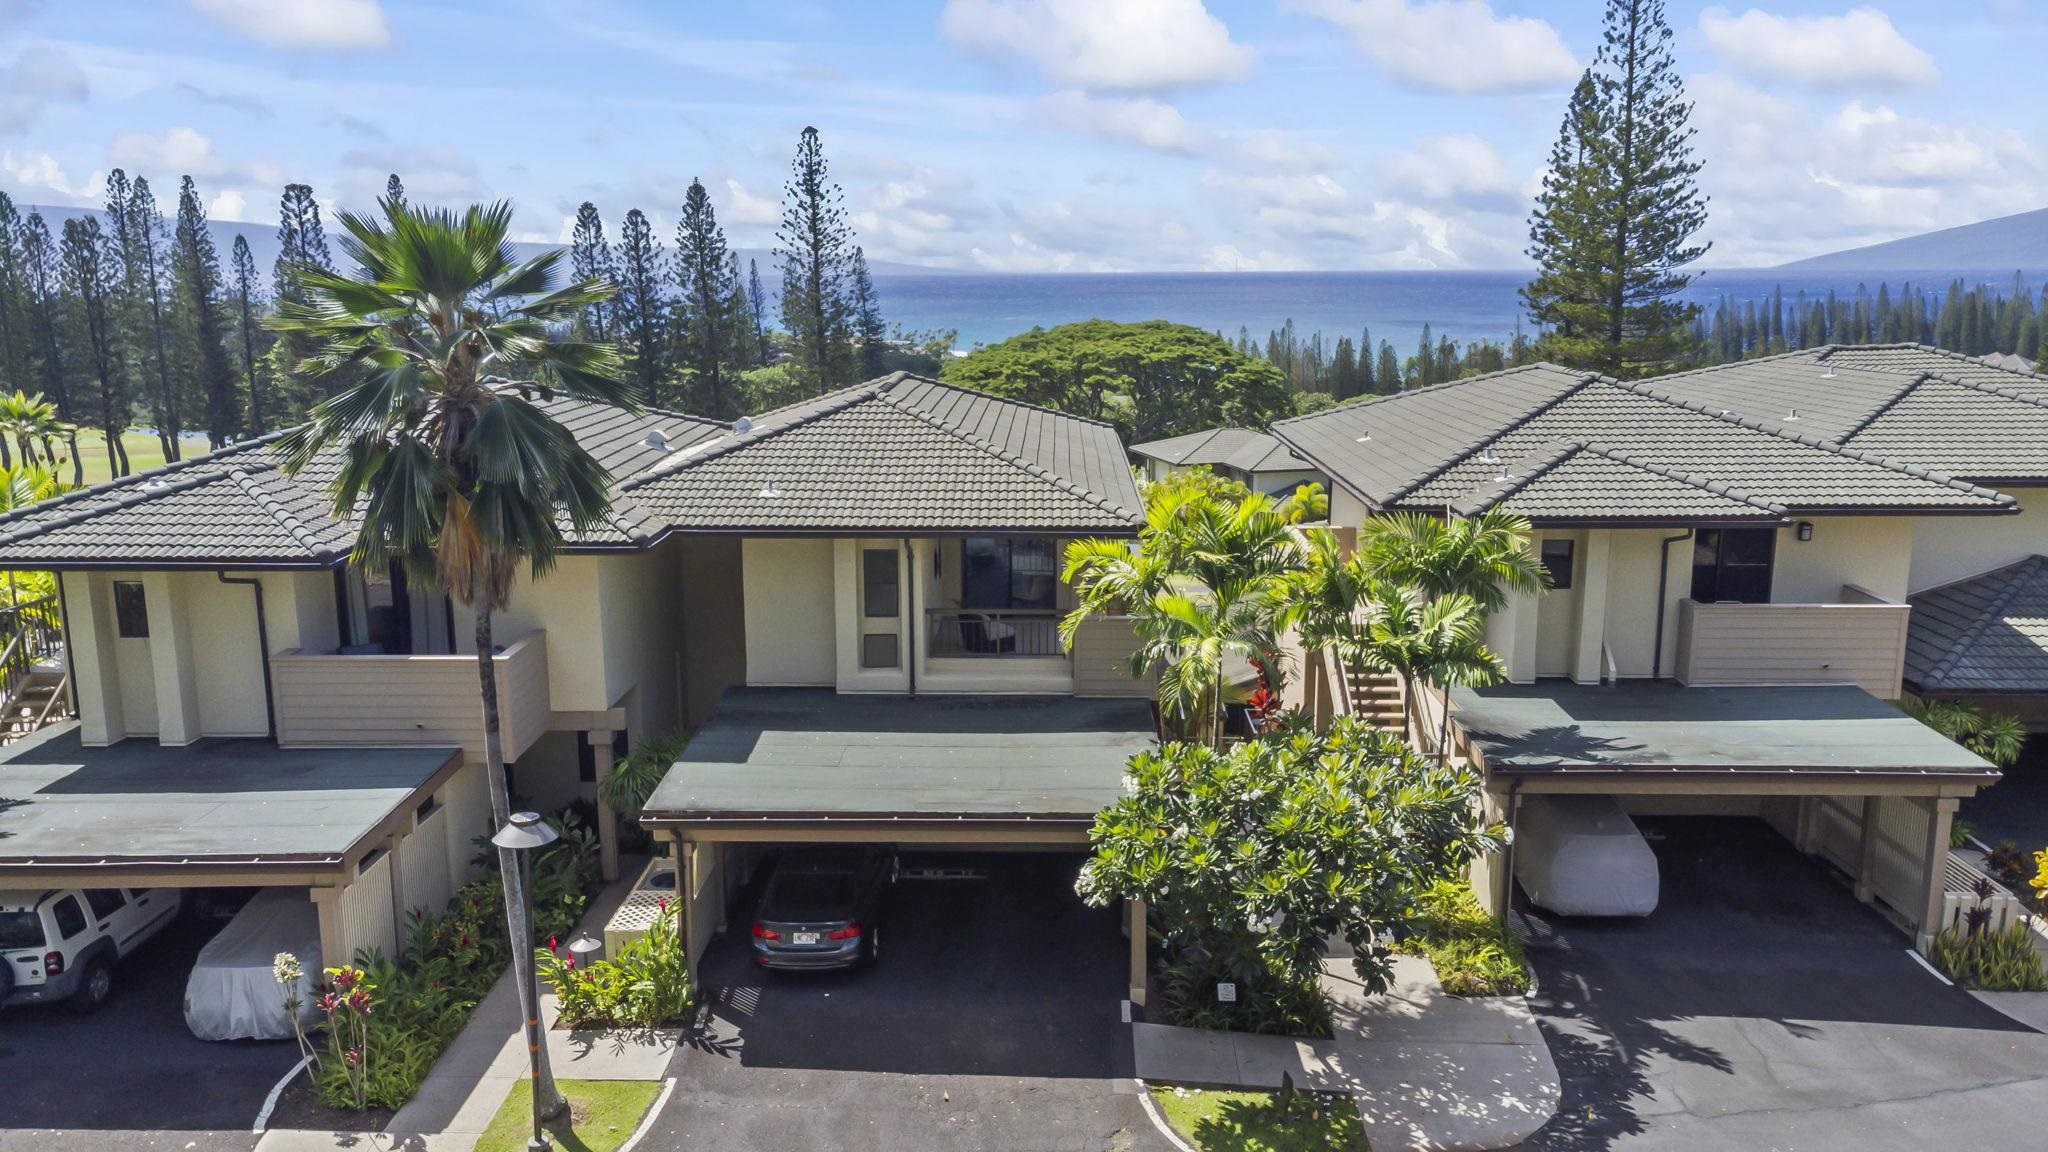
(524, 833)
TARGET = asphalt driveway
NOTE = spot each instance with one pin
(1762, 1007)
(991, 1021)
(131, 1075)
(2015, 808)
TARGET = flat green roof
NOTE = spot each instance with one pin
(217, 801)
(813, 754)
(1651, 728)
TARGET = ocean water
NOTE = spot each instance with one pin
(987, 307)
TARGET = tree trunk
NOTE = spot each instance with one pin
(77, 465)
(508, 860)
(1443, 731)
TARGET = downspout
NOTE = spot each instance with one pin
(1663, 582)
(262, 644)
(913, 622)
(70, 664)
(1507, 856)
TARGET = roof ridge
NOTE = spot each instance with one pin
(1439, 386)
(840, 401)
(1033, 468)
(1717, 487)
(1727, 416)
(1584, 380)
(893, 379)
(1992, 611)
(1503, 488)
(1885, 405)
(144, 477)
(290, 522)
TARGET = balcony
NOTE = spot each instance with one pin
(332, 701)
(1859, 639)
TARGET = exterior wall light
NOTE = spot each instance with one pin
(1804, 531)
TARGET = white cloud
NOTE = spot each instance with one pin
(743, 207)
(35, 77)
(338, 24)
(437, 176)
(1277, 151)
(39, 172)
(1302, 192)
(1859, 46)
(1459, 168)
(185, 152)
(1113, 44)
(1130, 119)
(229, 205)
(1452, 45)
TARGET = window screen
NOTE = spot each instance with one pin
(878, 592)
(1733, 564)
(878, 650)
(131, 610)
(1557, 560)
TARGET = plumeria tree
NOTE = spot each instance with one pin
(442, 344)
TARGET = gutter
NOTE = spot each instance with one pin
(915, 625)
(1663, 601)
(263, 647)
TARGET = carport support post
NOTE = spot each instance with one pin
(1135, 910)
(1866, 856)
(600, 741)
(333, 947)
(1941, 812)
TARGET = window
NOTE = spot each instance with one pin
(1733, 564)
(1557, 560)
(70, 918)
(378, 610)
(1009, 572)
(879, 595)
(879, 650)
(131, 610)
(105, 901)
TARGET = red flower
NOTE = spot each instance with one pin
(352, 1057)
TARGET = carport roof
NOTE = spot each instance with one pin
(802, 754)
(1657, 730)
(243, 802)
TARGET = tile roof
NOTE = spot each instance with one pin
(1243, 449)
(1442, 446)
(1584, 482)
(900, 454)
(236, 506)
(1987, 633)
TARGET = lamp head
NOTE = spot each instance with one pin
(525, 831)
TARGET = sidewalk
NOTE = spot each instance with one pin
(1430, 1071)
(472, 1078)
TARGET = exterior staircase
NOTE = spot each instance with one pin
(35, 683)
(1376, 698)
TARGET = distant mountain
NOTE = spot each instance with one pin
(264, 247)
(2017, 242)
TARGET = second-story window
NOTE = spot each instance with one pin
(1010, 572)
(1733, 564)
(879, 595)
(1557, 560)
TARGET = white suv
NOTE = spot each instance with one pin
(61, 944)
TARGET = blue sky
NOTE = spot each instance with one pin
(1031, 134)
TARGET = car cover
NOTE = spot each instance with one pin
(232, 993)
(1582, 856)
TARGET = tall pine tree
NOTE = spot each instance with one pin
(1612, 229)
(42, 274)
(150, 272)
(14, 335)
(246, 296)
(394, 190)
(92, 281)
(870, 335)
(590, 257)
(640, 311)
(757, 308)
(705, 322)
(814, 244)
(195, 271)
(301, 239)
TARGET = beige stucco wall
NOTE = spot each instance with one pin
(642, 636)
(1632, 597)
(711, 597)
(789, 611)
(1875, 552)
(1346, 510)
(566, 604)
(1948, 548)
(226, 660)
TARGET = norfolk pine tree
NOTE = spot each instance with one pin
(707, 326)
(247, 296)
(1613, 227)
(812, 244)
(150, 270)
(640, 312)
(195, 273)
(590, 258)
(871, 336)
(43, 283)
(14, 337)
(394, 190)
(757, 308)
(92, 281)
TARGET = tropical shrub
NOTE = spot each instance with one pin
(1253, 858)
(645, 986)
(1473, 954)
(1995, 737)
(633, 779)
(1988, 961)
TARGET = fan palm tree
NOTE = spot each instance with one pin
(1205, 582)
(443, 342)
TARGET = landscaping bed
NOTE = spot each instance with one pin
(602, 1116)
(1239, 1121)
(1473, 953)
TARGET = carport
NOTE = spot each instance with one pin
(959, 773)
(369, 833)
(1840, 773)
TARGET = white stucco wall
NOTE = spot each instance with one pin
(566, 604)
(1948, 548)
(789, 598)
(227, 661)
(639, 598)
(1875, 552)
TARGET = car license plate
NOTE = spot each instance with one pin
(803, 937)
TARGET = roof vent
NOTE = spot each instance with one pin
(1791, 415)
(742, 426)
(1365, 437)
(1505, 475)
(153, 484)
(769, 491)
(1830, 373)
(1486, 456)
(656, 440)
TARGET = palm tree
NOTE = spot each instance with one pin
(1440, 641)
(443, 343)
(1486, 557)
(1205, 582)
(29, 420)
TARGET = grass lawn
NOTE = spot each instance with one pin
(144, 452)
(1217, 1121)
(602, 1114)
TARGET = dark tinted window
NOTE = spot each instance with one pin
(1557, 560)
(878, 582)
(131, 610)
(70, 918)
(1009, 572)
(1733, 564)
(21, 930)
(808, 896)
(105, 901)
